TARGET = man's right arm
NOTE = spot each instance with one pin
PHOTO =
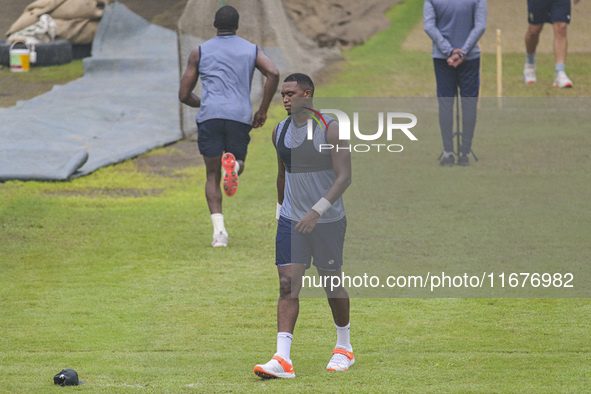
(280, 172)
(189, 81)
(430, 26)
(270, 71)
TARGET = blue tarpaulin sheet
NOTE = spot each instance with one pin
(125, 104)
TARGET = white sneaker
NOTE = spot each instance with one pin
(562, 81)
(220, 240)
(276, 368)
(529, 73)
(341, 360)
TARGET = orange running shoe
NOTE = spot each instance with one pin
(276, 368)
(230, 183)
(341, 360)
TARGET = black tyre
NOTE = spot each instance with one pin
(4, 54)
(80, 51)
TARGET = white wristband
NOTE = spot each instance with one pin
(322, 206)
(277, 212)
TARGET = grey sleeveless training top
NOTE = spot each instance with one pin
(226, 67)
(307, 179)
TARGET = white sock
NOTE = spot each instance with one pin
(218, 223)
(558, 67)
(343, 337)
(284, 345)
(447, 154)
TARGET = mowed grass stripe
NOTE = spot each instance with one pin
(124, 288)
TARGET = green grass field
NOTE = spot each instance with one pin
(112, 274)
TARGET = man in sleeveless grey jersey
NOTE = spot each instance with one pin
(226, 66)
(311, 222)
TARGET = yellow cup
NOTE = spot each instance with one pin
(25, 62)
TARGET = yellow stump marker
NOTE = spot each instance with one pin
(499, 70)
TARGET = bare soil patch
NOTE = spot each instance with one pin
(345, 23)
(171, 159)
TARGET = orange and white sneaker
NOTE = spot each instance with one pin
(529, 74)
(276, 368)
(341, 360)
(562, 81)
(220, 240)
(230, 181)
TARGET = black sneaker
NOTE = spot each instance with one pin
(447, 161)
(463, 160)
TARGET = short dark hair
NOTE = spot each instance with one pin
(303, 81)
(226, 18)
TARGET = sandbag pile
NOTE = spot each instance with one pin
(75, 20)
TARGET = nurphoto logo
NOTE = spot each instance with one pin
(395, 122)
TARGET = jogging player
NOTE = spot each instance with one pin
(311, 222)
(226, 66)
(556, 12)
